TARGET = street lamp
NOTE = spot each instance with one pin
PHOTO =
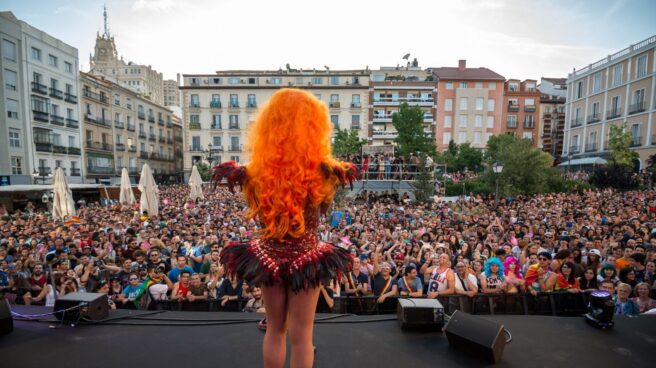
(497, 168)
(569, 162)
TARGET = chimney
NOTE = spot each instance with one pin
(462, 64)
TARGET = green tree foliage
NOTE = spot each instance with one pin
(204, 171)
(458, 157)
(424, 184)
(347, 142)
(526, 170)
(613, 175)
(619, 143)
(409, 123)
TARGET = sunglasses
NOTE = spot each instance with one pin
(133, 279)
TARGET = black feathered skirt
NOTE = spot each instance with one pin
(297, 264)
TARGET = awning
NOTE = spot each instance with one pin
(584, 161)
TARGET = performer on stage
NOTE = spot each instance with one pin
(290, 179)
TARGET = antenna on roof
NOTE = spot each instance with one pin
(106, 34)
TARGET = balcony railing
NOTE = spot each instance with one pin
(54, 92)
(529, 108)
(57, 120)
(574, 149)
(234, 104)
(132, 148)
(133, 171)
(152, 137)
(120, 147)
(591, 147)
(59, 149)
(75, 171)
(42, 145)
(39, 88)
(169, 140)
(235, 148)
(143, 155)
(251, 105)
(594, 118)
(637, 107)
(513, 108)
(161, 139)
(100, 146)
(215, 104)
(356, 105)
(636, 141)
(384, 134)
(141, 115)
(576, 122)
(233, 126)
(118, 124)
(151, 119)
(92, 169)
(160, 122)
(511, 123)
(335, 105)
(142, 135)
(40, 115)
(96, 96)
(194, 105)
(390, 101)
(44, 170)
(131, 128)
(70, 98)
(72, 123)
(194, 126)
(614, 113)
(216, 126)
(74, 151)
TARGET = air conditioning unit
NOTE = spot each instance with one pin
(267, 81)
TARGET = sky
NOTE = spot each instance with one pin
(515, 38)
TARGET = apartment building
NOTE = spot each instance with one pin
(521, 106)
(39, 105)
(124, 129)
(218, 108)
(171, 93)
(553, 93)
(616, 90)
(469, 105)
(389, 87)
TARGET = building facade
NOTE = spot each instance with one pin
(40, 105)
(616, 90)
(521, 106)
(469, 105)
(388, 89)
(171, 93)
(553, 93)
(218, 108)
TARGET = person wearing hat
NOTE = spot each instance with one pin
(539, 277)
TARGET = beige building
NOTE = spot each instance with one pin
(218, 108)
(123, 129)
(615, 90)
(388, 89)
(171, 93)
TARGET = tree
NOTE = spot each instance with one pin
(409, 123)
(526, 170)
(347, 142)
(619, 143)
(203, 170)
(424, 185)
(469, 157)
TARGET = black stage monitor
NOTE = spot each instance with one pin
(476, 336)
(424, 314)
(89, 306)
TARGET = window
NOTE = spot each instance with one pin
(68, 67)
(463, 103)
(36, 54)
(128, 103)
(251, 101)
(449, 85)
(639, 96)
(463, 84)
(334, 80)
(216, 141)
(233, 121)
(478, 85)
(529, 102)
(490, 105)
(355, 101)
(234, 80)
(234, 143)
(52, 60)
(479, 103)
(195, 119)
(527, 135)
(447, 121)
(195, 143)
(216, 80)
(17, 165)
(615, 106)
(641, 69)
(477, 137)
(463, 121)
(579, 89)
(317, 80)
(276, 81)
(14, 138)
(490, 122)
(446, 138)
(12, 108)
(635, 132)
(478, 123)
(355, 121)
(596, 82)
(10, 79)
(8, 50)
(334, 119)
(216, 121)
(195, 101)
(462, 137)
(492, 85)
(448, 105)
(234, 101)
(617, 75)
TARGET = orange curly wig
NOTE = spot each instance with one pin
(289, 141)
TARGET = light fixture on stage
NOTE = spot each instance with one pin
(601, 309)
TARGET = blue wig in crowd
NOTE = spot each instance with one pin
(490, 262)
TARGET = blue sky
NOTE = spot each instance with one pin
(516, 38)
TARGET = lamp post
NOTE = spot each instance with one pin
(569, 162)
(497, 168)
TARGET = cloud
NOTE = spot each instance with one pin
(154, 5)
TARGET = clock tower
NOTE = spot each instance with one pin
(105, 50)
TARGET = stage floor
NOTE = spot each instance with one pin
(233, 340)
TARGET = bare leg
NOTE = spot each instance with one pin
(274, 347)
(302, 307)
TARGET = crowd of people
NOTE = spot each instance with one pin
(551, 243)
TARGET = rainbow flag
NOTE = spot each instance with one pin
(73, 221)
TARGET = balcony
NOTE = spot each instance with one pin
(216, 149)
(72, 123)
(92, 169)
(99, 97)
(591, 147)
(118, 124)
(513, 108)
(235, 148)
(636, 141)
(215, 104)
(120, 147)
(194, 105)
(141, 115)
(576, 122)
(234, 104)
(142, 135)
(169, 140)
(59, 149)
(39, 88)
(251, 105)
(216, 126)
(132, 148)
(529, 124)
(133, 171)
(529, 108)
(178, 139)
(637, 107)
(169, 124)
(356, 105)
(152, 137)
(143, 155)
(196, 149)
(74, 151)
(233, 126)
(653, 139)
(151, 119)
(42, 145)
(154, 156)
(194, 126)
(131, 128)
(160, 121)
(70, 98)
(40, 116)
(391, 101)
(100, 146)
(382, 118)
(511, 123)
(614, 113)
(54, 92)
(57, 120)
(75, 171)
(44, 171)
(161, 139)
(594, 118)
(574, 149)
(334, 105)
(384, 134)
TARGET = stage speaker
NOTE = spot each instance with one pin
(476, 336)
(90, 306)
(420, 314)
(6, 322)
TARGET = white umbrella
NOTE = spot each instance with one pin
(196, 184)
(149, 193)
(62, 202)
(126, 198)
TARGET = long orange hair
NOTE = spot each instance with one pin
(289, 141)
